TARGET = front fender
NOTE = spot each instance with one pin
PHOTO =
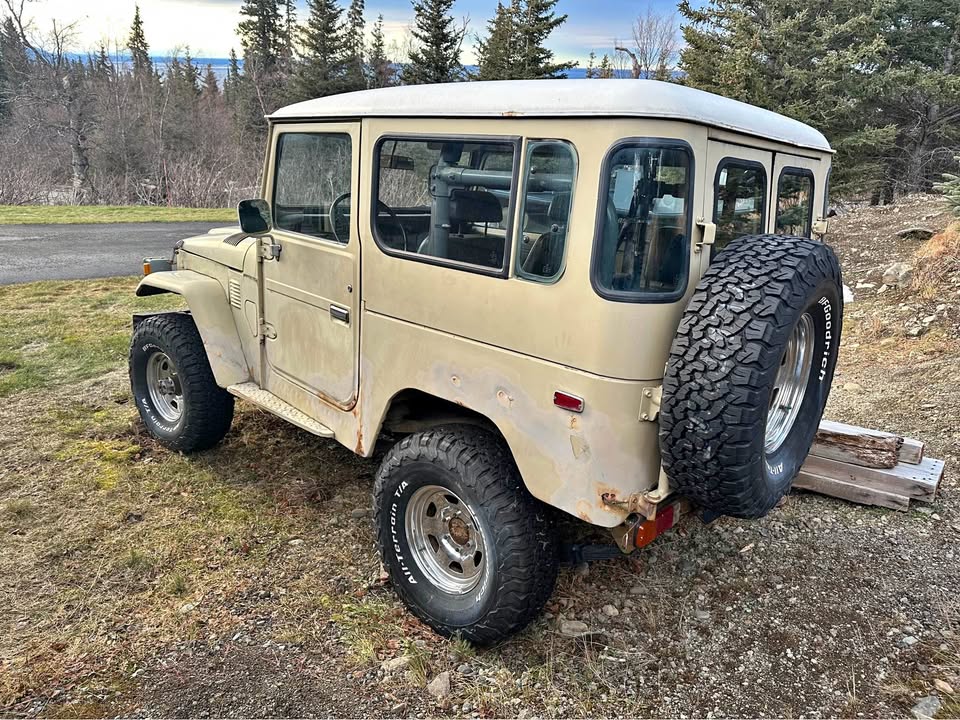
(211, 312)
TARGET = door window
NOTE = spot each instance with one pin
(446, 200)
(795, 202)
(547, 188)
(740, 198)
(642, 245)
(311, 192)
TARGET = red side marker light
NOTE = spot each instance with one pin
(568, 401)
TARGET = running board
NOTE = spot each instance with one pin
(270, 402)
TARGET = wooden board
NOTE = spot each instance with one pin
(919, 482)
(851, 492)
(833, 434)
(912, 451)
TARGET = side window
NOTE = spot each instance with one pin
(448, 199)
(547, 188)
(643, 234)
(795, 202)
(740, 198)
(311, 186)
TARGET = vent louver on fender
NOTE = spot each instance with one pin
(234, 290)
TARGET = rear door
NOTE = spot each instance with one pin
(793, 200)
(309, 304)
(736, 192)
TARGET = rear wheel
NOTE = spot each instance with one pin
(750, 371)
(172, 383)
(467, 548)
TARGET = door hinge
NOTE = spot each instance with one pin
(269, 250)
(708, 234)
(267, 331)
(650, 403)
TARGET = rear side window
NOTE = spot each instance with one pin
(795, 202)
(642, 244)
(545, 212)
(312, 177)
(740, 198)
(445, 200)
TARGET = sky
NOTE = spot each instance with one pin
(208, 27)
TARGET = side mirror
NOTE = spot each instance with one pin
(254, 216)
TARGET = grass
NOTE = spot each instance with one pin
(125, 564)
(71, 214)
(60, 332)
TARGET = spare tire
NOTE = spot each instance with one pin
(749, 373)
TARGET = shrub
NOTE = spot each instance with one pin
(950, 187)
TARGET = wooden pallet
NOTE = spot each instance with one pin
(869, 467)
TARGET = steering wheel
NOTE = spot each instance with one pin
(341, 225)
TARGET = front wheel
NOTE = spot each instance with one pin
(467, 548)
(172, 383)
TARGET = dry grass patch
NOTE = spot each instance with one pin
(71, 214)
(938, 263)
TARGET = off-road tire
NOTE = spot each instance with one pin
(521, 554)
(207, 408)
(722, 366)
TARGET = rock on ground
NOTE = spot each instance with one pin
(439, 687)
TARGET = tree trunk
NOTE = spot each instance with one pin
(79, 158)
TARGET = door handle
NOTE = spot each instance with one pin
(340, 313)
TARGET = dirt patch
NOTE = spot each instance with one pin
(244, 581)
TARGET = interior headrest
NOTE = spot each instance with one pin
(559, 209)
(475, 206)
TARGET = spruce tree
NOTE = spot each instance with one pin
(436, 57)
(263, 86)
(231, 84)
(211, 88)
(816, 61)
(536, 20)
(102, 64)
(592, 72)
(289, 35)
(138, 47)
(495, 53)
(262, 35)
(950, 187)
(605, 71)
(356, 73)
(322, 67)
(382, 73)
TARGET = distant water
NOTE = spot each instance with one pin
(221, 67)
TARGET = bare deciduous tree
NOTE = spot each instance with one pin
(655, 45)
(57, 91)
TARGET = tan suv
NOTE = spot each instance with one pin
(593, 297)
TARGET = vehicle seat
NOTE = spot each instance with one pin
(469, 208)
(472, 207)
(609, 244)
(546, 253)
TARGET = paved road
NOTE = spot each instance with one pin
(74, 252)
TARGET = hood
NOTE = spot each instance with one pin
(212, 247)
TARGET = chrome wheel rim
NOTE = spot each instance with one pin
(164, 388)
(446, 540)
(790, 385)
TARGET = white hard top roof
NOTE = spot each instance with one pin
(561, 98)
